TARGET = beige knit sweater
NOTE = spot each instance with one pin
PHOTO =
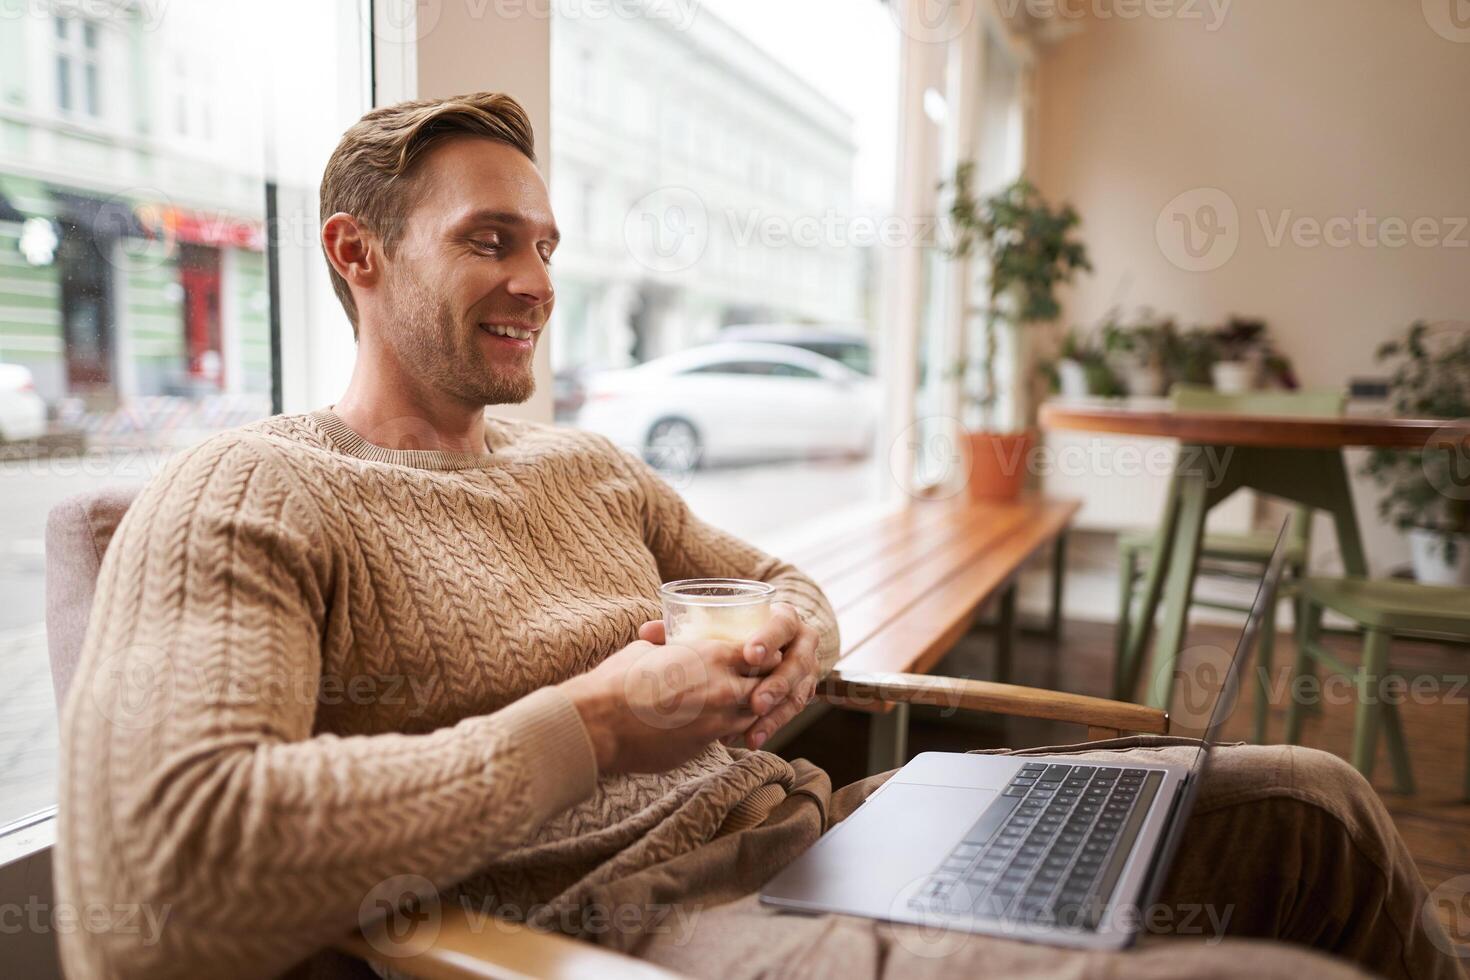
(315, 664)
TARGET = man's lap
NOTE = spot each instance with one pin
(1228, 879)
(744, 939)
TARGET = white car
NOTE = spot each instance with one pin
(733, 402)
(22, 412)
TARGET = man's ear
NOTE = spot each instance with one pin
(354, 252)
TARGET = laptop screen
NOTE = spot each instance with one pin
(1208, 677)
(1207, 682)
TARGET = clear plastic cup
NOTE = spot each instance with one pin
(728, 609)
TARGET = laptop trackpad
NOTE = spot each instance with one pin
(886, 847)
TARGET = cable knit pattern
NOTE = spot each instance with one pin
(314, 664)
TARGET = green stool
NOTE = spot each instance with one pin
(1235, 556)
(1225, 556)
(1384, 609)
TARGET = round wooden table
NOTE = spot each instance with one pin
(1295, 458)
(1280, 432)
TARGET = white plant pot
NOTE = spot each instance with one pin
(1072, 379)
(1431, 563)
(1144, 381)
(1234, 377)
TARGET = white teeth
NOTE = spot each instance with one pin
(504, 331)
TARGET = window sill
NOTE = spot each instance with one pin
(28, 836)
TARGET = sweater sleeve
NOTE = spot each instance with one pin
(686, 547)
(193, 786)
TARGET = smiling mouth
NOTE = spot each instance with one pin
(508, 331)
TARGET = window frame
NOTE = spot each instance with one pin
(71, 57)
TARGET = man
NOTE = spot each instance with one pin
(397, 638)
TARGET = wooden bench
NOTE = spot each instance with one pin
(908, 585)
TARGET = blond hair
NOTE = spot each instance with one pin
(369, 175)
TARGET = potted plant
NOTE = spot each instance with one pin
(1426, 492)
(1081, 369)
(1190, 357)
(1243, 353)
(1140, 351)
(1030, 249)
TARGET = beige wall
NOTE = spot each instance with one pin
(1320, 108)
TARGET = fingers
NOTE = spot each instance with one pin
(800, 661)
(783, 693)
(763, 650)
(652, 631)
(726, 672)
(737, 728)
(770, 724)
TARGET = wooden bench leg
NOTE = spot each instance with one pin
(1005, 634)
(1058, 576)
(888, 739)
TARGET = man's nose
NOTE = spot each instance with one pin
(530, 280)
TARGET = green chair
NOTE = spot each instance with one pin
(1230, 556)
(1384, 609)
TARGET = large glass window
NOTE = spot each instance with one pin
(720, 173)
(135, 301)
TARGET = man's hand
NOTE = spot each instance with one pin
(650, 707)
(784, 651)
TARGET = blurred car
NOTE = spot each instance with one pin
(733, 402)
(568, 392)
(839, 342)
(22, 411)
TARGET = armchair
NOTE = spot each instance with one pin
(79, 529)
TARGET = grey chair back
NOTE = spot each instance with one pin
(78, 530)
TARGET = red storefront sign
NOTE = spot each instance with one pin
(217, 229)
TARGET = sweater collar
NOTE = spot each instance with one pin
(347, 441)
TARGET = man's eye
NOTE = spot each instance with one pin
(485, 246)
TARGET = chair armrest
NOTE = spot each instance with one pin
(496, 949)
(1104, 718)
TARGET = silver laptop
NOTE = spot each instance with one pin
(1044, 848)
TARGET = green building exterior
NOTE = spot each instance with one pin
(132, 261)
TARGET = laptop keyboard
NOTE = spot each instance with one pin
(1049, 850)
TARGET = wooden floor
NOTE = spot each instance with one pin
(1435, 822)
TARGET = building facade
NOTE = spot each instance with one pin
(742, 171)
(132, 259)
